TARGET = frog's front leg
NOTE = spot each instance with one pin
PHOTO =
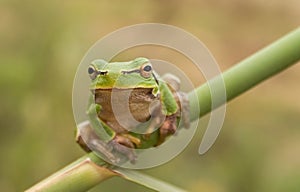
(117, 143)
(176, 106)
(89, 141)
(181, 98)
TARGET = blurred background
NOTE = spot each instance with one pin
(42, 43)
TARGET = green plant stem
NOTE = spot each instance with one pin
(248, 73)
(81, 175)
(84, 173)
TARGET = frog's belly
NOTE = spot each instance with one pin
(124, 109)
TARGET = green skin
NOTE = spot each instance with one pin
(140, 85)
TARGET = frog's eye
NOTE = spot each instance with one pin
(92, 72)
(146, 70)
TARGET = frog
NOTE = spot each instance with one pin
(130, 105)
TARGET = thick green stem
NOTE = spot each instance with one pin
(81, 175)
(85, 172)
(248, 73)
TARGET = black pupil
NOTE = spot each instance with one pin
(147, 68)
(91, 70)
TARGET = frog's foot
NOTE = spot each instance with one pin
(81, 142)
(89, 141)
(168, 128)
(132, 139)
(125, 146)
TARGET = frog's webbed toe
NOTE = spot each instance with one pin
(89, 141)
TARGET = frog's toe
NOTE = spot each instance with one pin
(104, 150)
(131, 140)
(124, 141)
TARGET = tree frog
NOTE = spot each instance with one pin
(130, 107)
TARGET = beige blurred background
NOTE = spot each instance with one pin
(42, 43)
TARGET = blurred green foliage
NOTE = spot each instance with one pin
(42, 43)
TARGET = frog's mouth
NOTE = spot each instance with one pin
(116, 89)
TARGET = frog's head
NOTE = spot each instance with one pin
(137, 73)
